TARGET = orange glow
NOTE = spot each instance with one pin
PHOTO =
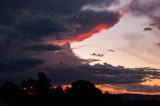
(115, 91)
(106, 89)
(152, 82)
(111, 90)
(63, 86)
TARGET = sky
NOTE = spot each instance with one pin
(113, 43)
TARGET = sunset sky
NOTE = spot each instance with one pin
(113, 43)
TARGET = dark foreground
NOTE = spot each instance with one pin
(81, 93)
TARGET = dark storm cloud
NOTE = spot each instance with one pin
(52, 6)
(89, 19)
(25, 22)
(61, 73)
(26, 27)
(38, 19)
(99, 74)
(19, 64)
(40, 47)
(37, 28)
(17, 67)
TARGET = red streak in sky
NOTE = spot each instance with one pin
(86, 35)
(90, 33)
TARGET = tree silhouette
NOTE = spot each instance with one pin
(58, 92)
(43, 85)
(85, 88)
(84, 93)
(43, 95)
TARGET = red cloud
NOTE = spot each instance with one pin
(90, 33)
(86, 35)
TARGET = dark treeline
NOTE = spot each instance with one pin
(81, 93)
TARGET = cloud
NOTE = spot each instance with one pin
(41, 47)
(148, 8)
(59, 19)
(90, 61)
(148, 29)
(36, 28)
(63, 56)
(34, 58)
(98, 55)
(99, 74)
(19, 64)
(17, 69)
(137, 88)
(29, 30)
(101, 6)
(63, 67)
(26, 23)
(111, 50)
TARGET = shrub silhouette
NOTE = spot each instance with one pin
(11, 90)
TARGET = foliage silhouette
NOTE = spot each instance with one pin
(82, 93)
